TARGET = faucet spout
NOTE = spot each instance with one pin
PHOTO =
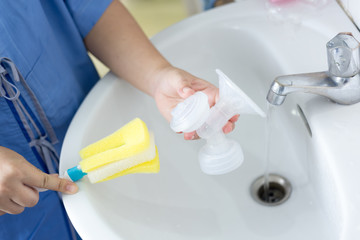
(340, 84)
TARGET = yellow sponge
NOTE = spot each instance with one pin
(129, 140)
(131, 149)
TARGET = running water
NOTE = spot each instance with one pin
(268, 137)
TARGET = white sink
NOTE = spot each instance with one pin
(183, 203)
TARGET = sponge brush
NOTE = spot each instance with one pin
(117, 168)
(131, 149)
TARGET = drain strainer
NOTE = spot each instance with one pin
(278, 190)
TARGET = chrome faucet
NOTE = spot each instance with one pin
(341, 83)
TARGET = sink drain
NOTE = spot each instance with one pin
(278, 191)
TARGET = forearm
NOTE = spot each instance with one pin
(117, 41)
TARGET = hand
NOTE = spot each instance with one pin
(174, 85)
(18, 180)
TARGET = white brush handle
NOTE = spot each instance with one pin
(41, 189)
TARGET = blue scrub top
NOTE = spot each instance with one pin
(44, 38)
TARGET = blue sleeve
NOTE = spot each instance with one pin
(208, 4)
(86, 13)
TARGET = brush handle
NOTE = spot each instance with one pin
(74, 174)
(41, 189)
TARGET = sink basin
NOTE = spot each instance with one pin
(313, 142)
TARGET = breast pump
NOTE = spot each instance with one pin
(219, 155)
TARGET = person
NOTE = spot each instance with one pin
(45, 73)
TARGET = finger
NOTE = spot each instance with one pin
(44, 189)
(9, 206)
(229, 127)
(186, 92)
(51, 182)
(26, 196)
(2, 213)
(191, 136)
(234, 118)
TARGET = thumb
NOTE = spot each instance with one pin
(52, 182)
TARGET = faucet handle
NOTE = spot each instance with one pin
(343, 55)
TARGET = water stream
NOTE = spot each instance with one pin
(268, 137)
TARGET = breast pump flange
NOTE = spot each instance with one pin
(219, 155)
